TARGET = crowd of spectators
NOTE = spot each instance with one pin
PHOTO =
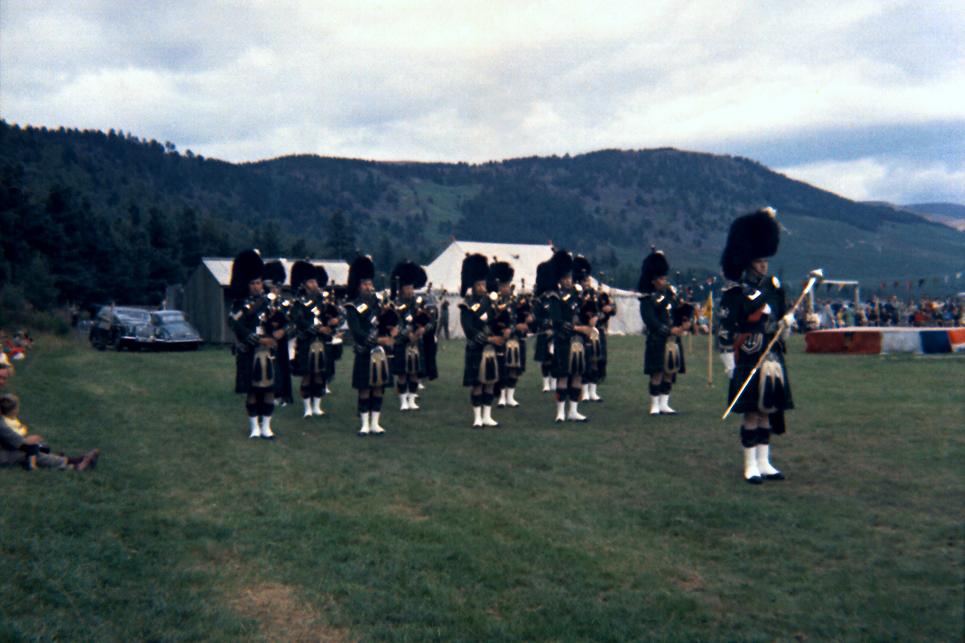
(890, 311)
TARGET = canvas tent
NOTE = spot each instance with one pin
(205, 298)
(444, 273)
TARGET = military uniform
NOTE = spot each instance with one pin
(481, 368)
(280, 320)
(661, 312)
(367, 322)
(542, 325)
(569, 355)
(752, 309)
(312, 316)
(594, 345)
(249, 319)
(415, 324)
(657, 311)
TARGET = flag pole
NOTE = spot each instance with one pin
(710, 339)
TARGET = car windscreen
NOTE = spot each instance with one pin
(177, 327)
(133, 315)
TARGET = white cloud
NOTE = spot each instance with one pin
(438, 80)
(895, 181)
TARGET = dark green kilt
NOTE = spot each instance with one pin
(473, 358)
(244, 373)
(333, 353)
(398, 362)
(542, 353)
(561, 359)
(283, 372)
(748, 402)
(522, 355)
(360, 369)
(653, 355)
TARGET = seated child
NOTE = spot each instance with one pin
(10, 410)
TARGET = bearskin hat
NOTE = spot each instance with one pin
(407, 273)
(361, 269)
(321, 275)
(562, 262)
(475, 267)
(581, 268)
(654, 265)
(245, 268)
(302, 271)
(545, 278)
(500, 272)
(751, 236)
(274, 272)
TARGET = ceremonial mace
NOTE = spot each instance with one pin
(813, 277)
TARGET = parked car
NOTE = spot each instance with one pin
(121, 327)
(173, 332)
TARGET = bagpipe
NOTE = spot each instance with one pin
(682, 313)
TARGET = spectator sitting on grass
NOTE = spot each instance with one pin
(27, 450)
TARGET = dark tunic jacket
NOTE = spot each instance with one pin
(656, 310)
(474, 317)
(248, 320)
(749, 315)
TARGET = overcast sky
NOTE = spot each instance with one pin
(864, 98)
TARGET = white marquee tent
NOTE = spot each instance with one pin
(444, 274)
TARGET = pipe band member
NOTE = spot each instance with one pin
(316, 322)
(373, 342)
(415, 324)
(255, 342)
(569, 333)
(663, 357)
(481, 370)
(752, 306)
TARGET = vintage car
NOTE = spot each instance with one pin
(173, 332)
(121, 327)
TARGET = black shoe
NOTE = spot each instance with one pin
(774, 476)
(755, 480)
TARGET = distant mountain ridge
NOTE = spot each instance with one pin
(611, 205)
(950, 214)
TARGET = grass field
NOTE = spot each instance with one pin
(628, 527)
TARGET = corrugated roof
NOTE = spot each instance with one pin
(220, 268)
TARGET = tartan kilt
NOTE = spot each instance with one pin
(561, 358)
(360, 369)
(748, 402)
(397, 364)
(244, 373)
(522, 355)
(653, 355)
(473, 360)
(470, 373)
(283, 372)
(603, 346)
(542, 352)
(300, 363)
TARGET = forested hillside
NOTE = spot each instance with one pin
(90, 216)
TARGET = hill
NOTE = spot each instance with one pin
(107, 215)
(951, 214)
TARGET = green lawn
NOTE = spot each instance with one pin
(628, 527)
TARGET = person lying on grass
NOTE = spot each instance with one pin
(29, 451)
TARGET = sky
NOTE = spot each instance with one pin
(863, 98)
